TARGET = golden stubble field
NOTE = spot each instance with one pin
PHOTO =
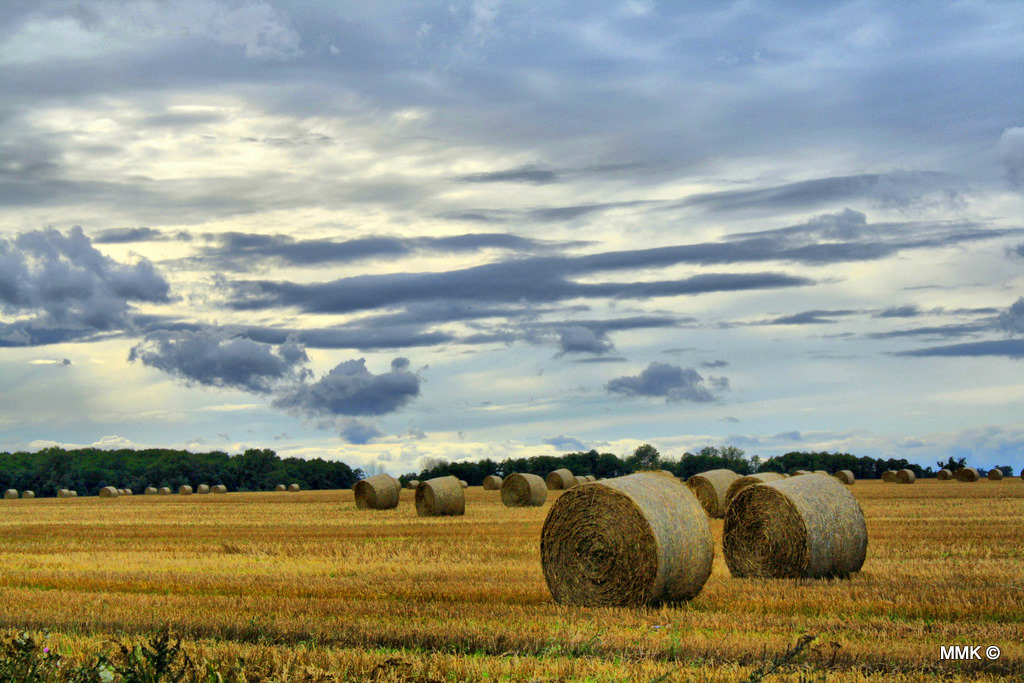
(303, 586)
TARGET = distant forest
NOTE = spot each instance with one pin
(87, 470)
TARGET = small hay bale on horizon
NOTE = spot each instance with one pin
(412, 484)
(822, 472)
(492, 482)
(889, 476)
(994, 474)
(379, 492)
(10, 494)
(165, 491)
(944, 475)
(63, 493)
(710, 488)
(523, 490)
(463, 484)
(967, 475)
(749, 480)
(219, 488)
(28, 494)
(634, 541)
(846, 477)
(580, 480)
(560, 480)
(802, 527)
(73, 494)
(797, 473)
(906, 477)
(439, 497)
(591, 477)
(280, 487)
(203, 489)
(109, 492)
(149, 491)
(185, 490)
(293, 488)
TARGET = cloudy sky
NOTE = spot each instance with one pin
(387, 231)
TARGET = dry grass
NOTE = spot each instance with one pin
(308, 583)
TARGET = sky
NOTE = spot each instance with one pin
(388, 232)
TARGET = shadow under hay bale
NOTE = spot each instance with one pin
(185, 490)
(220, 488)
(633, 541)
(560, 480)
(523, 490)
(439, 497)
(800, 527)
(994, 474)
(109, 492)
(889, 476)
(967, 475)
(710, 488)
(492, 482)
(905, 477)
(846, 477)
(379, 492)
(944, 475)
(749, 480)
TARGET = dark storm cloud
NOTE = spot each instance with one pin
(532, 174)
(142, 234)
(1009, 348)
(358, 432)
(215, 358)
(351, 389)
(565, 443)
(671, 382)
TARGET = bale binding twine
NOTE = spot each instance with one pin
(379, 492)
(523, 490)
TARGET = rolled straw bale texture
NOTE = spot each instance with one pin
(637, 540)
(492, 482)
(128, 492)
(889, 476)
(944, 475)
(63, 493)
(995, 475)
(581, 480)
(220, 488)
(10, 494)
(749, 480)
(591, 477)
(203, 489)
(281, 487)
(846, 477)
(822, 472)
(165, 491)
(967, 474)
(293, 488)
(799, 527)
(560, 479)
(109, 492)
(120, 492)
(73, 494)
(523, 490)
(710, 488)
(463, 484)
(440, 496)
(905, 477)
(379, 492)
(150, 491)
(413, 483)
(185, 490)
(28, 494)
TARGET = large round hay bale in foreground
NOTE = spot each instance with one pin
(10, 494)
(799, 527)
(889, 476)
(523, 490)
(846, 477)
(944, 475)
(203, 489)
(379, 492)
(220, 488)
(492, 482)
(185, 490)
(439, 497)
(165, 491)
(560, 480)
(749, 480)
(109, 492)
(150, 491)
(28, 494)
(280, 487)
(633, 541)
(905, 477)
(412, 484)
(294, 488)
(710, 488)
(994, 474)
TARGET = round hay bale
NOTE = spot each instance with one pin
(905, 477)
(560, 480)
(293, 488)
(203, 489)
(799, 527)
(523, 490)
(632, 541)
(413, 483)
(280, 487)
(10, 494)
(128, 492)
(591, 477)
(671, 474)
(73, 494)
(440, 496)
(63, 493)
(710, 488)
(150, 491)
(185, 490)
(749, 480)
(492, 482)
(797, 473)
(165, 491)
(822, 472)
(581, 480)
(994, 474)
(889, 476)
(846, 477)
(28, 494)
(379, 492)
(463, 484)
(109, 492)
(944, 475)
(220, 488)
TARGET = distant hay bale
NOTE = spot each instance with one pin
(591, 477)
(944, 475)
(463, 484)
(822, 472)
(581, 480)
(165, 491)
(749, 480)
(633, 541)
(28, 494)
(150, 491)
(109, 492)
(120, 492)
(128, 492)
(220, 488)
(846, 477)
(63, 493)
(889, 476)
(203, 489)
(439, 497)
(710, 488)
(73, 494)
(185, 490)
(379, 492)
(523, 490)
(905, 477)
(412, 484)
(799, 472)
(671, 474)
(798, 527)
(994, 474)
(560, 480)
(492, 482)
(281, 487)
(10, 494)
(293, 488)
